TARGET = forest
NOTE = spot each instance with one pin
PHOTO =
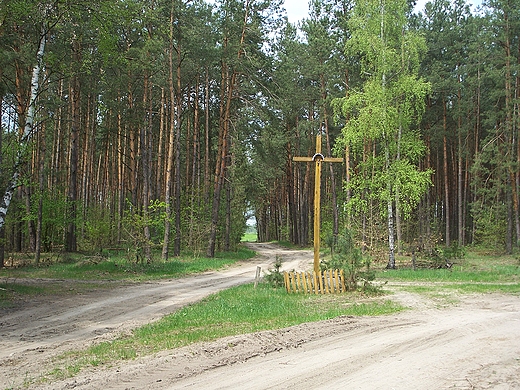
(163, 126)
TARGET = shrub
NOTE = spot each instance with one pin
(349, 258)
(274, 277)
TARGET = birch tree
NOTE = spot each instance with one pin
(382, 113)
(28, 129)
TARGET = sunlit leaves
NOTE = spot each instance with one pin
(381, 115)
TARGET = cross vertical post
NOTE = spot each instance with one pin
(318, 158)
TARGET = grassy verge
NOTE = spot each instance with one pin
(117, 267)
(474, 268)
(11, 291)
(80, 273)
(238, 310)
(502, 274)
(475, 274)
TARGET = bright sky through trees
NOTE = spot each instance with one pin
(299, 9)
(296, 10)
(421, 3)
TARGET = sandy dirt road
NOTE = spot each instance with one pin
(471, 344)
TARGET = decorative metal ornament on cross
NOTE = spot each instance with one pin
(318, 158)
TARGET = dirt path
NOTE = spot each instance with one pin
(41, 329)
(474, 344)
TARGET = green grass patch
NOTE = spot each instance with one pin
(10, 292)
(80, 273)
(474, 268)
(117, 267)
(502, 274)
(249, 237)
(484, 288)
(238, 310)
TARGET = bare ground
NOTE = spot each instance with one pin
(461, 342)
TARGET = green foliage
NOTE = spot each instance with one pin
(454, 252)
(54, 218)
(99, 230)
(249, 237)
(134, 224)
(349, 258)
(115, 265)
(441, 256)
(490, 178)
(386, 149)
(274, 277)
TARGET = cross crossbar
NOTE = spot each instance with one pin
(318, 158)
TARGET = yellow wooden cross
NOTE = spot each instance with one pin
(318, 158)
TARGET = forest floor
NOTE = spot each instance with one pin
(442, 342)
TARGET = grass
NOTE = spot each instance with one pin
(117, 267)
(80, 273)
(238, 310)
(476, 273)
(10, 291)
(503, 274)
(474, 268)
(249, 237)
(245, 309)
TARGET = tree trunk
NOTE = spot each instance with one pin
(160, 147)
(460, 189)
(207, 180)
(291, 188)
(509, 131)
(177, 183)
(335, 217)
(121, 170)
(72, 194)
(145, 165)
(27, 133)
(41, 181)
(516, 132)
(171, 142)
(391, 230)
(227, 234)
(446, 177)
(2, 229)
(56, 159)
(220, 168)
(228, 89)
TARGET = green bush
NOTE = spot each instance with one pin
(349, 258)
(274, 277)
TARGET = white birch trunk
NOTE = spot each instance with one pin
(28, 132)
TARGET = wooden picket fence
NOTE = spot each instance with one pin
(326, 282)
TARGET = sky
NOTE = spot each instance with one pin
(298, 9)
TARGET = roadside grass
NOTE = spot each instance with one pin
(239, 310)
(10, 291)
(116, 266)
(81, 272)
(473, 268)
(500, 274)
(476, 273)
